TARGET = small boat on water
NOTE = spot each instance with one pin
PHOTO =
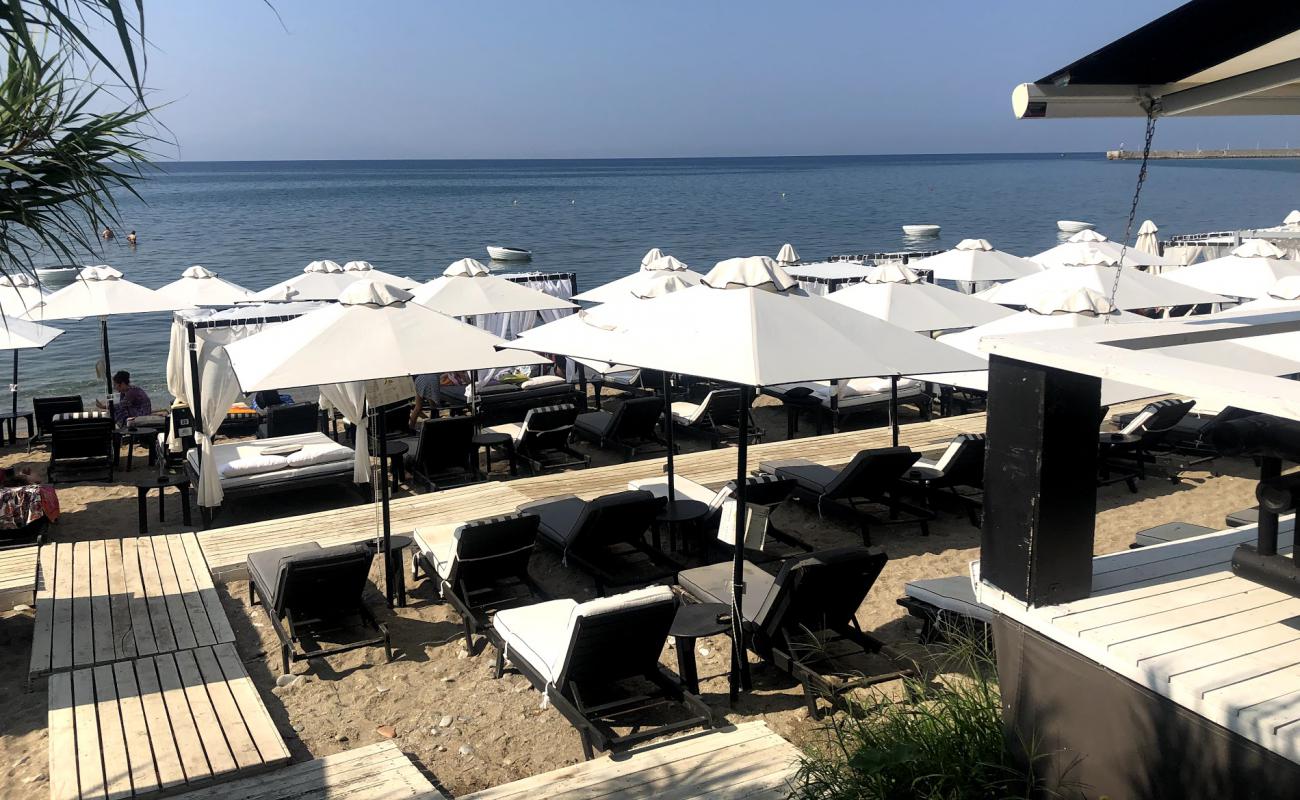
(508, 253)
(1073, 226)
(56, 276)
(921, 230)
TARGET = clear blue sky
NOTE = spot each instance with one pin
(605, 78)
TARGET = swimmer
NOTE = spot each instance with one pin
(130, 237)
(106, 234)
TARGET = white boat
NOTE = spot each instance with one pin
(1073, 226)
(508, 253)
(921, 230)
(56, 276)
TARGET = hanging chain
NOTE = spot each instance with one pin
(1133, 207)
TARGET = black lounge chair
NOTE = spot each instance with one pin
(763, 495)
(289, 419)
(315, 590)
(631, 426)
(605, 537)
(716, 417)
(946, 606)
(81, 449)
(543, 438)
(1126, 452)
(481, 566)
(803, 620)
(445, 454)
(43, 411)
(598, 664)
(961, 465)
(873, 476)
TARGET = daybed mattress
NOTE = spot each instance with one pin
(954, 594)
(315, 441)
(860, 391)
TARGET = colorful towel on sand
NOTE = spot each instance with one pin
(22, 505)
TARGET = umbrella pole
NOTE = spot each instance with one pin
(893, 407)
(739, 657)
(108, 370)
(13, 390)
(381, 432)
(668, 436)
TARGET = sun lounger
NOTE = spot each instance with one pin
(81, 449)
(43, 411)
(308, 590)
(289, 419)
(873, 476)
(542, 439)
(481, 566)
(962, 464)
(631, 426)
(716, 417)
(604, 537)
(945, 606)
(598, 664)
(803, 620)
(857, 396)
(1124, 455)
(1168, 532)
(444, 454)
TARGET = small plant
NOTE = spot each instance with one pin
(943, 740)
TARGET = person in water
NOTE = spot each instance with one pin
(130, 237)
(107, 233)
(132, 401)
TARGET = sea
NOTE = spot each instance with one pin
(257, 223)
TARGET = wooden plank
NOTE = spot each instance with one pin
(83, 643)
(164, 638)
(186, 733)
(1179, 639)
(137, 600)
(101, 605)
(1125, 610)
(119, 602)
(63, 739)
(167, 759)
(220, 757)
(135, 728)
(270, 745)
(112, 739)
(61, 628)
(227, 710)
(176, 610)
(1181, 617)
(90, 770)
(189, 590)
(43, 627)
(207, 591)
(1211, 677)
(1172, 665)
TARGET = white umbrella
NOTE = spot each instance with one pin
(102, 292)
(1087, 246)
(651, 255)
(375, 331)
(1250, 270)
(748, 323)
(788, 256)
(1147, 241)
(468, 289)
(637, 281)
(1292, 220)
(1137, 289)
(19, 294)
(897, 295)
(975, 261)
(20, 334)
(364, 269)
(1282, 295)
(319, 280)
(198, 286)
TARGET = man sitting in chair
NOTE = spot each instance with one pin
(132, 401)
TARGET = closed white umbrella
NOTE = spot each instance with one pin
(638, 281)
(1250, 270)
(788, 256)
(319, 280)
(1087, 246)
(1146, 240)
(468, 289)
(374, 331)
(897, 295)
(1136, 289)
(199, 286)
(976, 261)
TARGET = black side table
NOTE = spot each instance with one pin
(161, 482)
(675, 514)
(490, 439)
(9, 425)
(793, 405)
(397, 462)
(695, 621)
(142, 434)
(396, 576)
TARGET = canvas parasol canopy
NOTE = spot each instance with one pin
(20, 334)
(468, 289)
(198, 286)
(319, 280)
(1250, 270)
(619, 289)
(1086, 247)
(975, 261)
(364, 269)
(1136, 289)
(897, 295)
(1285, 294)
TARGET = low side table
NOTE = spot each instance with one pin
(161, 483)
(396, 462)
(695, 621)
(396, 577)
(9, 424)
(490, 439)
(675, 514)
(130, 437)
(794, 405)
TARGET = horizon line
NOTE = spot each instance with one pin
(626, 158)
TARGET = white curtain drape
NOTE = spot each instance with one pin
(350, 400)
(219, 388)
(509, 326)
(814, 287)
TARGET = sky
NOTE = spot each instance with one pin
(398, 79)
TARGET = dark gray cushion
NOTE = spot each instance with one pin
(814, 477)
(712, 584)
(595, 423)
(559, 520)
(264, 566)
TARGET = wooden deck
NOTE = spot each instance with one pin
(147, 725)
(115, 599)
(17, 575)
(379, 771)
(1175, 619)
(747, 761)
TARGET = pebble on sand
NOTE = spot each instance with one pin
(386, 731)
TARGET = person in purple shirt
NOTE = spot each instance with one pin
(132, 401)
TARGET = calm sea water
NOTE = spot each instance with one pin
(259, 223)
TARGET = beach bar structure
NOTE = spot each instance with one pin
(1171, 670)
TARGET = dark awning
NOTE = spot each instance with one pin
(1208, 57)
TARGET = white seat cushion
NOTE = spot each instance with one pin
(686, 413)
(512, 429)
(684, 488)
(954, 594)
(541, 381)
(537, 634)
(438, 544)
(253, 465)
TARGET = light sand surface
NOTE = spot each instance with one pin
(341, 702)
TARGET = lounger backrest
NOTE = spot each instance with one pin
(1158, 416)
(618, 516)
(616, 637)
(489, 548)
(548, 426)
(43, 408)
(81, 438)
(636, 418)
(721, 407)
(872, 470)
(819, 591)
(290, 419)
(322, 582)
(963, 462)
(445, 443)
(762, 489)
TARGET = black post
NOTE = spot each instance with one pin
(740, 662)
(381, 426)
(14, 392)
(108, 370)
(196, 388)
(893, 407)
(668, 435)
(1269, 467)
(1040, 482)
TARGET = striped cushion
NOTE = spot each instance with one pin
(71, 415)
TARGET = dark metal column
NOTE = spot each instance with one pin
(740, 660)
